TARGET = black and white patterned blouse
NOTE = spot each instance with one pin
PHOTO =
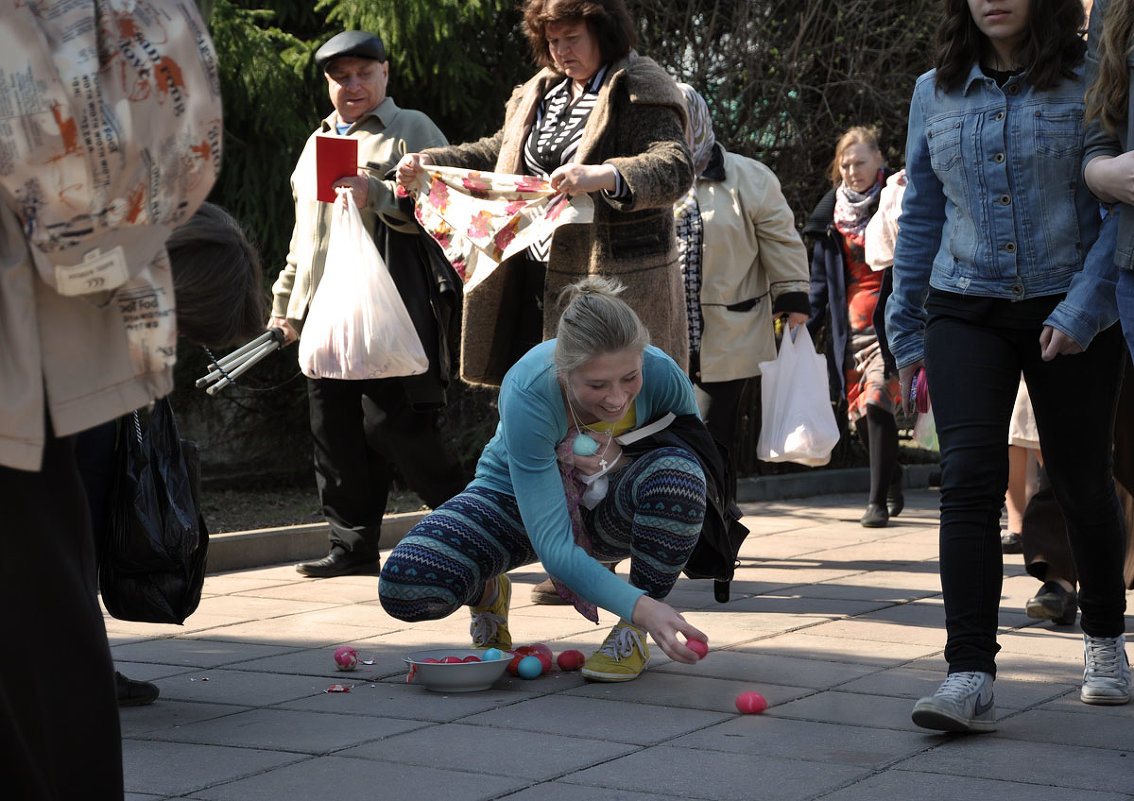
(555, 136)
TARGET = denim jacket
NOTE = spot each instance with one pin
(995, 206)
(1101, 143)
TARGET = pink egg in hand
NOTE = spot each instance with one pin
(751, 703)
(699, 647)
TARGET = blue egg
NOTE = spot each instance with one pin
(584, 445)
(491, 655)
(529, 667)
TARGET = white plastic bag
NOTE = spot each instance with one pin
(798, 423)
(925, 431)
(357, 327)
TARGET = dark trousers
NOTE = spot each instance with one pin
(59, 732)
(361, 430)
(973, 370)
(719, 405)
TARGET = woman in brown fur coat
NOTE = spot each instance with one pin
(597, 118)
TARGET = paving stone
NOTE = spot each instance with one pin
(997, 756)
(852, 709)
(291, 730)
(194, 652)
(603, 718)
(677, 691)
(762, 736)
(220, 686)
(757, 668)
(718, 775)
(333, 776)
(914, 786)
(165, 715)
(525, 754)
(171, 769)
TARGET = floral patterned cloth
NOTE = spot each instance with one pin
(482, 218)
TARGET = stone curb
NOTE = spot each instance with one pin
(239, 550)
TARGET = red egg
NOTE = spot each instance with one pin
(471, 658)
(544, 660)
(523, 650)
(751, 703)
(698, 647)
(452, 660)
(571, 660)
(431, 660)
(514, 664)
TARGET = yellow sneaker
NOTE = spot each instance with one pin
(489, 628)
(622, 656)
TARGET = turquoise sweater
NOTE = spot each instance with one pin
(520, 461)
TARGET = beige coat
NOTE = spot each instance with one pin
(637, 126)
(751, 251)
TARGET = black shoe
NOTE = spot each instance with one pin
(134, 693)
(1010, 542)
(1053, 602)
(340, 563)
(875, 516)
(895, 500)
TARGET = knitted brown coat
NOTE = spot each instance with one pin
(637, 125)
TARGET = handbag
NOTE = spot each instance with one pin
(358, 327)
(798, 423)
(152, 568)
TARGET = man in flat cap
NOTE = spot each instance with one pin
(361, 429)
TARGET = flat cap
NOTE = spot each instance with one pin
(359, 44)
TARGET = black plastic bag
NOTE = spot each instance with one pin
(152, 568)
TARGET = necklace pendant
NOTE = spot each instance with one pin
(602, 463)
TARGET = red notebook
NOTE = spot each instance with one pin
(335, 157)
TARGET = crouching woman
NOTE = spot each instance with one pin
(544, 491)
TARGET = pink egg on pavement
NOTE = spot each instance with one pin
(346, 658)
(571, 660)
(698, 647)
(543, 648)
(751, 703)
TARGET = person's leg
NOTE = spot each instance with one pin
(973, 372)
(1074, 399)
(1124, 292)
(654, 510)
(60, 736)
(1047, 557)
(882, 431)
(1016, 498)
(719, 404)
(350, 494)
(448, 558)
(412, 440)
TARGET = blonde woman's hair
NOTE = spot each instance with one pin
(1108, 95)
(595, 321)
(858, 135)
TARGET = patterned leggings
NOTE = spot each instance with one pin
(652, 513)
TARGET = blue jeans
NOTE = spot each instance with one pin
(973, 370)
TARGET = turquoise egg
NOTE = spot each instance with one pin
(491, 655)
(529, 667)
(584, 445)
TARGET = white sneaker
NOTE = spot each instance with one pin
(963, 703)
(1106, 677)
